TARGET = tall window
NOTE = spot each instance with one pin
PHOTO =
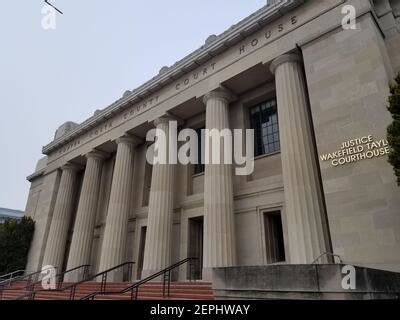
(148, 171)
(199, 167)
(264, 121)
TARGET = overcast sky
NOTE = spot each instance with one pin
(99, 49)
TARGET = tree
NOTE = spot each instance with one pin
(393, 131)
(15, 239)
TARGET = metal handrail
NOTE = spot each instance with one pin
(60, 277)
(9, 282)
(73, 286)
(328, 254)
(166, 273)
(10, 275)
(19, 278)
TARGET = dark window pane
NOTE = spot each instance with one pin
(199, 167)
(264, 121)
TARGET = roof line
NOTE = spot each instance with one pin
(223, 42)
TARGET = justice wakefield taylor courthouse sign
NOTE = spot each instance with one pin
(357, 149)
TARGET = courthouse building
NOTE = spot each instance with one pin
(315, 93)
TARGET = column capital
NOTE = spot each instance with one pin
(289, 57)
(71, 167)
(220, 93)
(166, 118)
(97, 154)
(128, 139)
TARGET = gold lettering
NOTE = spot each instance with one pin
(357, 149)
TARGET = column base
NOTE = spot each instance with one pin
(207, 274)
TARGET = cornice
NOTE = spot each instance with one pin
(211, 49)
(35, 175)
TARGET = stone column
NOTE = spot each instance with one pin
(113, 250)
(157, 254)
(62, 214)
(219, 220)
(306, 221)
(82, 237)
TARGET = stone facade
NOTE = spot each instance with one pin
(97, 201)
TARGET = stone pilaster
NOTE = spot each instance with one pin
(62, 214)
(157, 255)
(219, 229)
(43, 213)
(82, 237)
(307, 227)
(113, 250)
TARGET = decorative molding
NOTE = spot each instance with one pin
(246, 194)
(35, 175)
(191, 204)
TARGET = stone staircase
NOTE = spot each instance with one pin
(13, 291)
(148, 291)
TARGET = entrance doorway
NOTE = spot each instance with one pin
(142, 244)
(195, 248)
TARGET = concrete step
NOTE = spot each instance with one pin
(148, 291)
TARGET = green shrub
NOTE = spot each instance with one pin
(15, 239)
(393, 131)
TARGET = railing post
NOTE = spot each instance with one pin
(70, 293)
(103, 282)
(169, 281)
(129, 272)
(164, 279)
(59, 280)
(85, 270)
(1, 291)
(29, 279)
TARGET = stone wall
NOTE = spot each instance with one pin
(348, 75)
(322, 282)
